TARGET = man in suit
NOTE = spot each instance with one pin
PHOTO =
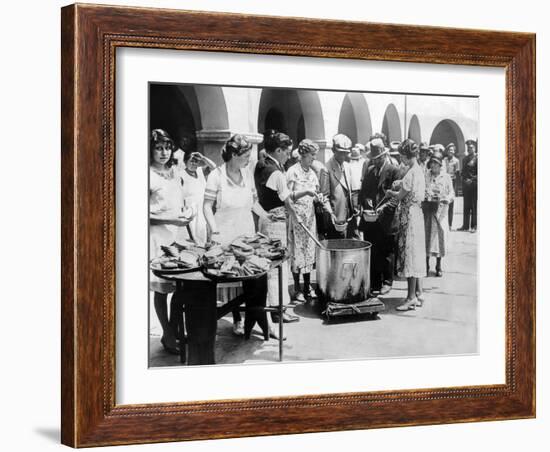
(378, 179)
(340, 189)
(469, 187)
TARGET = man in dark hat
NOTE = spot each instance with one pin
(469, 187)
(424, 153)
(379, 178)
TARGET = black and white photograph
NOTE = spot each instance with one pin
(294, 224)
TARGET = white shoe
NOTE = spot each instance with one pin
(238, 329)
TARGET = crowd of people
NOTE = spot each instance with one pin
(409, 187)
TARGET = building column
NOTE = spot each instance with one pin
(325, 148)
(210, 143)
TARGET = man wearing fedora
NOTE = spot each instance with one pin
(469, 187)
(340, 189)
(379, 178)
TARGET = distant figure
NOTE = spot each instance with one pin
(469, 187)
(356, 167)
(451, 166)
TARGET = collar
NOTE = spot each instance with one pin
(275, 160)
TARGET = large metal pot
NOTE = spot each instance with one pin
(343, 270)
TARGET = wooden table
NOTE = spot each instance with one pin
(196, 297)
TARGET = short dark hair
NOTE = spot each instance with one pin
(274, 140)
(160, 136)
(236, 145)
(408, 148)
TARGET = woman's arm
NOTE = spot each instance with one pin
(209, 216)
(259, 210)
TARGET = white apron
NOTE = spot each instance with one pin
(233, 218)
(193, 196)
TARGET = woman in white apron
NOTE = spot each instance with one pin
(165, 208)
(197, 168)
(231, 193)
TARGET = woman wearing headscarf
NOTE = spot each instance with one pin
(230, 190)
(303, 185)
(439, 194)
(165, 218)
(411, 233)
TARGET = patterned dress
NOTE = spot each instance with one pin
(411, 242)
(301, 247)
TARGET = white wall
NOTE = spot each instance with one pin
(30, 226)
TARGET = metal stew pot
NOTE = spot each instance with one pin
(343, 270)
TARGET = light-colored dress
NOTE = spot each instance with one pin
(300, 245)
(193, 196)
(411, 243)
(233, 207)
(436, 217)
(165, 199)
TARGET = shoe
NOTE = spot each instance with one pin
(310, 295)
(172, 350)
(408, 305)
(473, 230)
(287, 318)
(438, 273)
(299, 297)
(385, 289)
(274, 335)
(238, 329)
(463, 229)
(419, 300)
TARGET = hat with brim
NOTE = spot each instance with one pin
(377, 149)
(341, 143)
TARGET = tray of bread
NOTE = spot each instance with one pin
(178, 258)
(246, 257)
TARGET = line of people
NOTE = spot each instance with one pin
(410, 187)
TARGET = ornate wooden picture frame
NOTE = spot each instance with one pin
(90, 37)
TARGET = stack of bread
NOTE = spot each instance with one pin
(247, 255)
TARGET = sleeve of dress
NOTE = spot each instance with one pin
(212, 186)
(290, 178)
(277, 182)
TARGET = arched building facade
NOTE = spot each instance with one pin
(208, 115)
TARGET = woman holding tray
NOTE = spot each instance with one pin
(165, 218)
(230, 190)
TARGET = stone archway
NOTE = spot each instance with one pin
(414, 130)
(355, 120)
(448, 131)
(297, 112)
(391, 126)
(174, 109)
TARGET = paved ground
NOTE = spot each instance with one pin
(446, 324)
